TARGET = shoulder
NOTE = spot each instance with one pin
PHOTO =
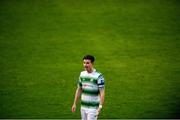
(82, 73)
(98, 73)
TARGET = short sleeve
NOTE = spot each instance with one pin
(101, 81)
(79, 83)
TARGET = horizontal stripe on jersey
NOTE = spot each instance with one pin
(89, 77)
(91, 80)
(89, 104)
(90, 92)
(89, 86)
(89, 98)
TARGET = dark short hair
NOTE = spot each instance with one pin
(89, 57)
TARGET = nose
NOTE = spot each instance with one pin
(85, 65)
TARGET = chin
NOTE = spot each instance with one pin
(86, 69)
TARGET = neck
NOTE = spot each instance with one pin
(90, 70)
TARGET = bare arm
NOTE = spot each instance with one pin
(102, 94)
(77, 95)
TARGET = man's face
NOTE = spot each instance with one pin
(87, 65)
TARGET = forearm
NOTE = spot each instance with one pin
(102, 94)
(77, 95)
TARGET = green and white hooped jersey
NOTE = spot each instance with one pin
(90, 84)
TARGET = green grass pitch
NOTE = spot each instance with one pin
(136, 44)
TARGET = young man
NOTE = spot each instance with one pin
(91, 89)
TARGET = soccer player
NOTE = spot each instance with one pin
(91, 89)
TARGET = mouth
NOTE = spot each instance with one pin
(86, 67)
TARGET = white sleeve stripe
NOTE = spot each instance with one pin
(100, 86)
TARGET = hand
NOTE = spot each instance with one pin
(73, 109)
(98, 111)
